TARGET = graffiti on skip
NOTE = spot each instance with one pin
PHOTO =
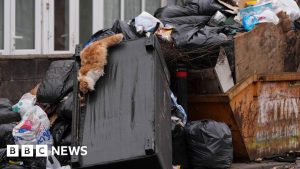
(279, 109)
(277, 119)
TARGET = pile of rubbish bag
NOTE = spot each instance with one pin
(196, 24)
(41, 117)
(192, 33)
(195, 31)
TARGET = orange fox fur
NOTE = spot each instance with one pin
(93, 59)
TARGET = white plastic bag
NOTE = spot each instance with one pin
(268, 16)
(145, 22)
(288, 6)
(33, 128)
(26, 102)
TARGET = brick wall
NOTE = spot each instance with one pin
(19, 74)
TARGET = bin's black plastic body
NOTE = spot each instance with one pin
(126, 123)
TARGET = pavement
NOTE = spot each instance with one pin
(266, 165)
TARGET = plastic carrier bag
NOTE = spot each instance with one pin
(34, 127)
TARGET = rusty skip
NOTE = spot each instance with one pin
(263, 112)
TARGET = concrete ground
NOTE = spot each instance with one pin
(266, 165)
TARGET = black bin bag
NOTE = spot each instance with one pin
(6, 114)
(6, 136)
(186, 20)
(128, 31)
(57, 83)
(179, 154)
(190, 8)
(65, 107)
(194, 36)
(172, 11)
(209, 144)
(206, 7)
(61, 132)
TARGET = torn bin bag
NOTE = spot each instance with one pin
(6, 114)
(57, 82)
(191, 36)
(64, 109)
(209, 144)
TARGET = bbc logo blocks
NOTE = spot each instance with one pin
(27, 150)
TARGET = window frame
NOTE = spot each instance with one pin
(44, 25)
(6, 28)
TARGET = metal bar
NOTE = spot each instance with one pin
(76, 108)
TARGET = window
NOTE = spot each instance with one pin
(25, 24)
(20, 26)
(61, 25)
(60, 31)
(85, 20)
(56, 26)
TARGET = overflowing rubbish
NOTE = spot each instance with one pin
(27, 123)
(209, 144)
(6, 113)
(222, 45)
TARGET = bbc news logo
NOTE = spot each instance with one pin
(43, 151)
